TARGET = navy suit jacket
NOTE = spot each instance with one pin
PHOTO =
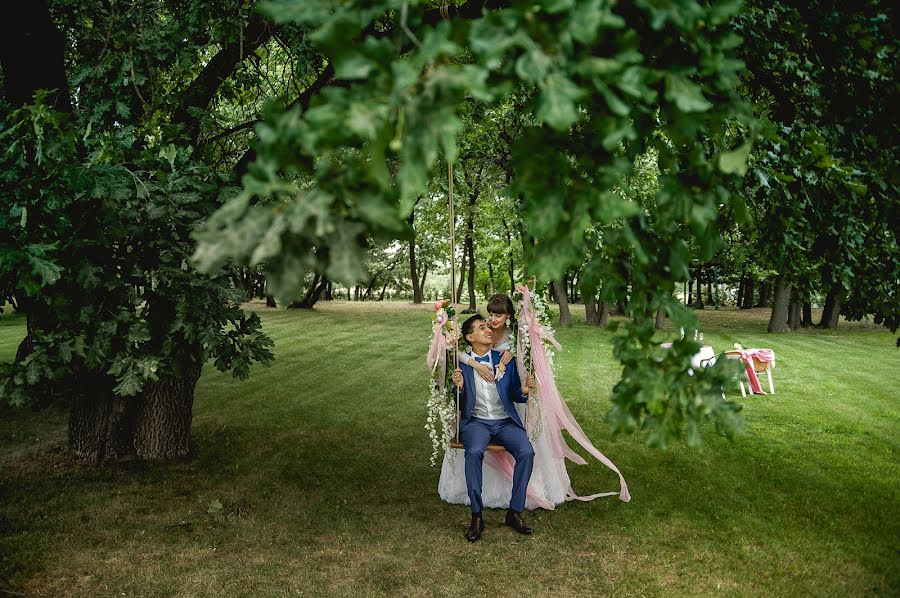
(509, 387)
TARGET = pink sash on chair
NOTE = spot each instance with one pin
(764, 355)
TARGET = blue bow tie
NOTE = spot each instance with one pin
(485, 359)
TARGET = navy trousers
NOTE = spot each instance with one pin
(475, 436)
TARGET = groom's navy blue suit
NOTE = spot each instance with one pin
(476, 433)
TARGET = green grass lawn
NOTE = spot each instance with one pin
(320, 463)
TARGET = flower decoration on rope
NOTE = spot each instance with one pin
(440, 407)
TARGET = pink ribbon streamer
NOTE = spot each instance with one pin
(437, 355)
(557, 416)
(764, 355)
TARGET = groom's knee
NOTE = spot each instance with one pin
(526, 451)
(475, 453)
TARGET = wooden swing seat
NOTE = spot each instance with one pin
(457, 444)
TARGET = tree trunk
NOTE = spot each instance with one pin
(778, 321)
(101, 424)
(590, 308)
(470, 248)
(270, 301)
(422, 281)
(490, 279)
(747, 303)
(603, 316)
(709, 290)
(764, 294)
(511, 268)
(690, 296)
(660, 318)
(383, 289)
(794, 315)
(313, 293)
(806, 320)
(559, 291)
(163, 422)
(329, 294)
(832, 310)
(698, 300)
(413, 270)
(459, 286)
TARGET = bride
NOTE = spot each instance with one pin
(545, 417)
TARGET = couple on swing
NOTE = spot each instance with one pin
(531, 472)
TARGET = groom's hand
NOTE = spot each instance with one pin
(528, 384)
(457, 378)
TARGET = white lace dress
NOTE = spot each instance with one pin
(549, 478)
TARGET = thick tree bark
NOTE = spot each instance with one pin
(383, 289)
(270, 301)
(806, 320)
(832, 310)
(690, 295)
(778, 321)
(101, 424)
(559, 291)
(747, 303)
(709, 290)
(163, 420)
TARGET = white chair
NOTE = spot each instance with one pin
(759, 367)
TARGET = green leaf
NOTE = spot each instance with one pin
(24, 219)
(532, 65)
(735, 161)
(168, 153)
(557, 102)
(686, 95)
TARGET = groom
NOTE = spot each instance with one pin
(486, 411)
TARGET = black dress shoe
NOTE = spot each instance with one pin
(515, 521)
(475, 528)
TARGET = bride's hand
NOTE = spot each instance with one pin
(506, 358)
(484, 370)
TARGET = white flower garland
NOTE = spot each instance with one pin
(440, 409)
(441, 413)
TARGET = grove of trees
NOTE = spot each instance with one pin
(164, 161)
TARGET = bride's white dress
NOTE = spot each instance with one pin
(549, 478)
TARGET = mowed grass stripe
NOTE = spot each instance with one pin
(320, 463)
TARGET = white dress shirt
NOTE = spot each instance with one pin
(487, 398)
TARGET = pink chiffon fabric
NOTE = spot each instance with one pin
(437, 355)
(764, 355)
(557, 416)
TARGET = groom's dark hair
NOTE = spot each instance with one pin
(468, 325)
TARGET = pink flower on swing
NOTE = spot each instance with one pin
(441, 317)
(438, 304)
